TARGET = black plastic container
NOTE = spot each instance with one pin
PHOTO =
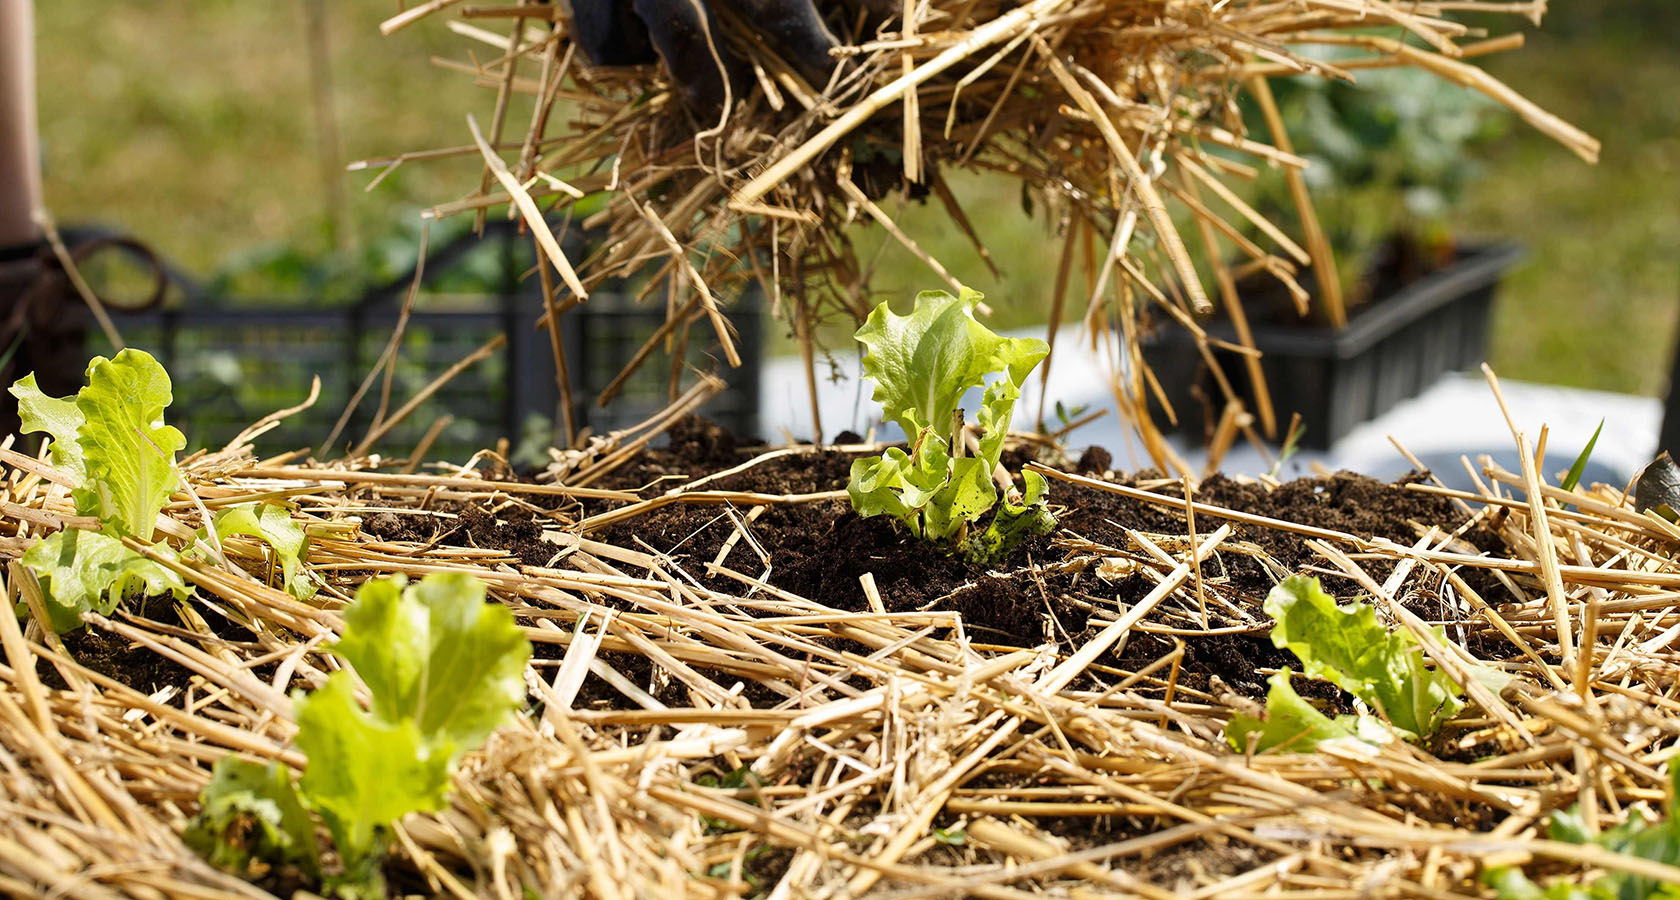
(1336, 378)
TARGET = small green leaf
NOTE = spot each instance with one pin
(59, 419)
(886, 484)
(1573, 477)
(130, 453)
(1347, 646)
(364, 774)
(997, 404)
(1294, 725)
(963, 498)
(955, 837)
(1512, 884)
(273, 525)
(437, 654)
(250, 812)
(1639, 836)
(1013, 523)
(83, 571)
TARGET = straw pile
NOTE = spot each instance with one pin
(893, 754)
(1118, 115)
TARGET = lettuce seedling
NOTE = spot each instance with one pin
(89, 571)
(273, 525)
(1654, 840)
(1348, 647)
(250, 813)
(1294, 725)
(442, 668)
(922, 364)
(111, 440)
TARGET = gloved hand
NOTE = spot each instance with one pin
(635, 32)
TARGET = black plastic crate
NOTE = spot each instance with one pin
(232, 363)
(1390, 351)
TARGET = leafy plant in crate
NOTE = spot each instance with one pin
(939, 488)
(1390, 157)
(1402, 301)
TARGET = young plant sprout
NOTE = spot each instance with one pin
(110, 440)
(949, 478)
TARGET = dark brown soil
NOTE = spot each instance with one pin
(115, 657)
(819, 550)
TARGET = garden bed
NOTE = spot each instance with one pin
(721, 704)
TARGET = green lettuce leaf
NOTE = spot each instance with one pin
(932, 494)
(997, 410)
(893, 484)
(443, 668)
(922, 364)
(82, 571)
(1014, 522)
(250, 813)
(437, 654)
(273, 525)
(1347, 646)
(964, 497)
(129, 452)
(1294, 725)
(60, 419)
(1638, 837)
(1512, 884)
(363, 773)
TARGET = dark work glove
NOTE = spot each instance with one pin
(636, 32)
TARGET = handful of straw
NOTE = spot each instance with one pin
(1115, 113)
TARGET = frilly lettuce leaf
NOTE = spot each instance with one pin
(1294, 725)
(60, 419)
(1639, 836)
(250, 812)
(893, 485)
(1347, 646)
(82, 571)
(111, 439)
(443, 669)
(922, 363)
(129, 452)
(437, 654)
(997, 409)
(273, 525)
(1014, 522)
(932, 494)
(363, 773)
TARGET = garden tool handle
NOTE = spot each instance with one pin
(20, 166)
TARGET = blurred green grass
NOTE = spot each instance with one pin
(191, 124)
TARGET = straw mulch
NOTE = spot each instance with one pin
(1116, 115)
(895, 755)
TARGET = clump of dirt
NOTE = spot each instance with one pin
(138, 667)
(694, 447)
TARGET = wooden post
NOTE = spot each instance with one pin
(20, 165)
